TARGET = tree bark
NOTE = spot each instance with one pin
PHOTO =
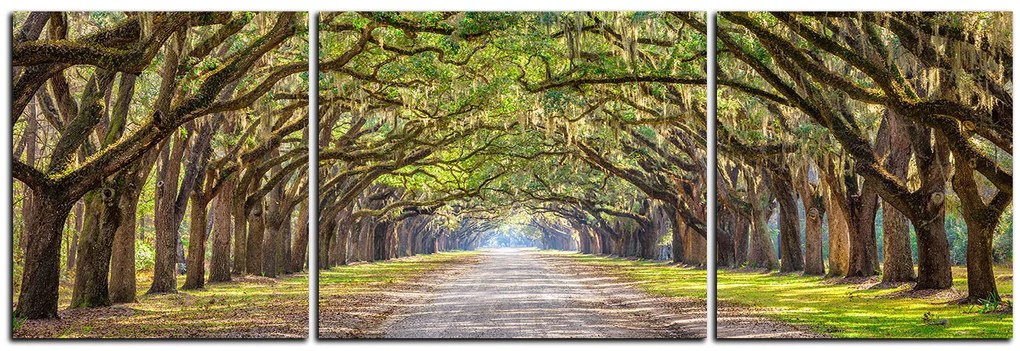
(240, 228)
(934, 269)
(256, 230)
(791, 257)
(814, 210)
(90, 268)
(839, 229)
(982, 219)
(219, 265)
(195, 277)
(164, 279)
(761, 254)
(299, 252)
(898, 263)
(41, 276)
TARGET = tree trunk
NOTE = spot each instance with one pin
(41, 275)
(164, 279)
(814, 210)
(742, 239)
(762, 254)
(271, 239)
(677, 242)
(240, 229)
(299, 251)
(897, 265)
(195, 277)
(219, 265)
(94, 249)
(863, 247)
(934, 269)
(256, 230)
(839, 229)
(980, 275)
(791, 257)
(327, 229)
(29, 137)
(123, 280)
(725, 237)
(982, 219)
(72, 245)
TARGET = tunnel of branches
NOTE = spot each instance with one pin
(860, 144)
(571, 131)
(145, 142)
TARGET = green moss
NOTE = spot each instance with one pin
(848, 311)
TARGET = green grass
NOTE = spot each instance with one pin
(848, 311)
(253, 306)
(654, 277)
(362, 276)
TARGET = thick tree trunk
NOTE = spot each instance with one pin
(677, 242)
(379, 233)
(240, 230)
(934, 269)
(88, 237)
(980, 275)
(839, 229)
(123, 279)
(219, 265)
(327, 229)
(283, 248)
(195, 277)
(791, 257)
(814, 210)
(299, 251)
(898, 264)
(982, 219)
(863, 247)
(272, 237)
(725, 238)
(271, 244)
(741, 235)
(164, 279)
(72, 245)
(256, 230)
(695, 248)
(41, 275)
(29, 138)
(813, 262)
(91, 277)
(762, 254)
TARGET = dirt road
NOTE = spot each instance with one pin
(513, 293)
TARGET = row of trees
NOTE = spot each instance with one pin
(214, 102)
(831, 118)
(439, 129)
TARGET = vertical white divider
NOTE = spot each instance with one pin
(313, 177)
(711, 169)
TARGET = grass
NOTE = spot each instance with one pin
(850, 311)
(248, 307)
(371, 275)
(653, 277)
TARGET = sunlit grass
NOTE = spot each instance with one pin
(848, 311)
(251, 306)
(371, 275)
(654, 277)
